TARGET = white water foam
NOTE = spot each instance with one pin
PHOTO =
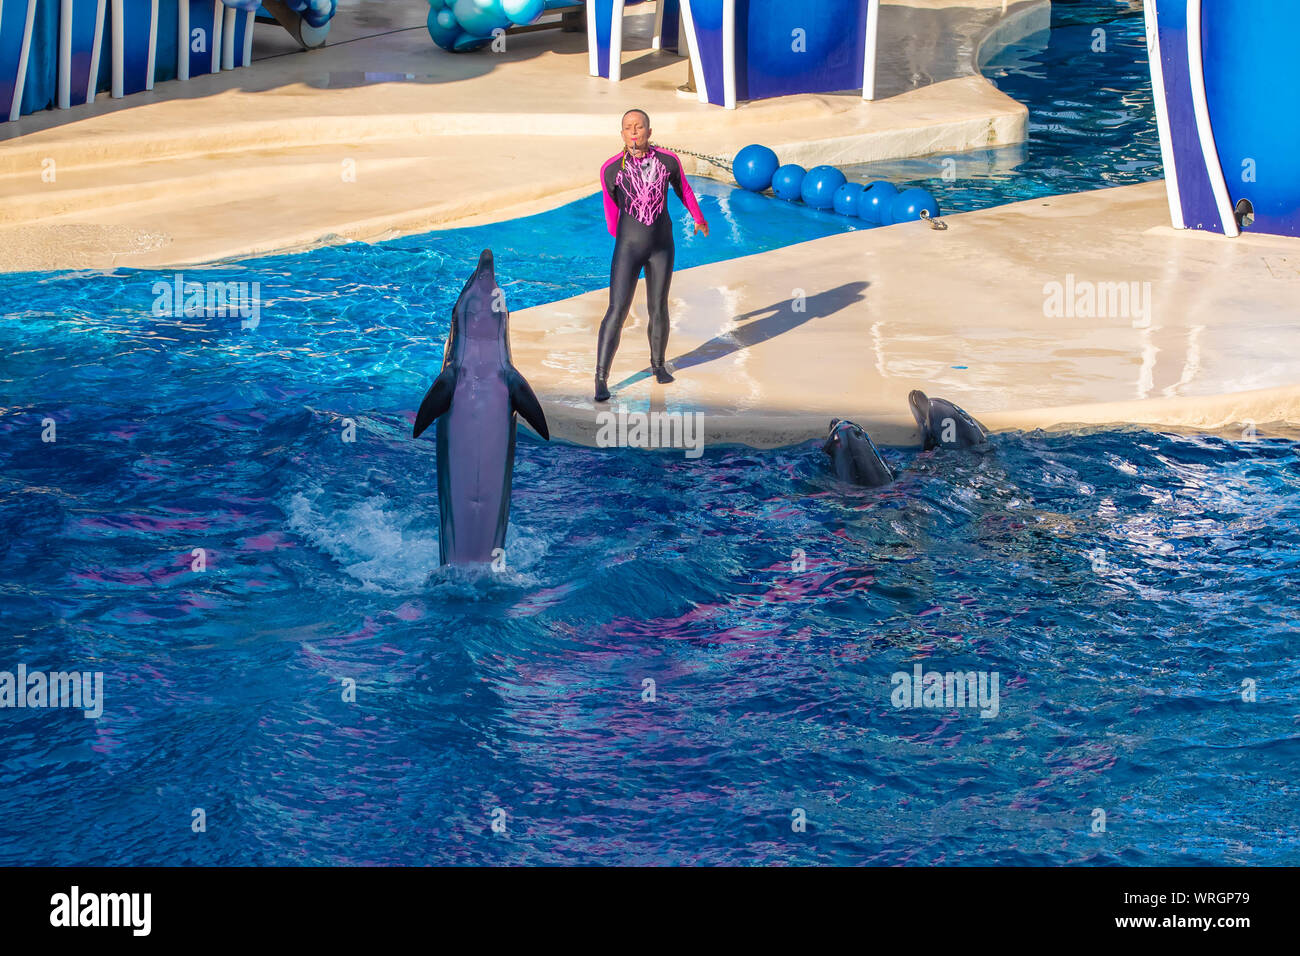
(371, 539)
(386, 545)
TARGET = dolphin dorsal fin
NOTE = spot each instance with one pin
(523, 401)
(436, 400)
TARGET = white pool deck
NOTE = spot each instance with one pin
(1196, 332)
(253, 161)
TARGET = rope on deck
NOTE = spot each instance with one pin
(718, 161)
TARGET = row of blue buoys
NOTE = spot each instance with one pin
(824, 187)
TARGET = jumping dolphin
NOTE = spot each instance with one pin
(944, 425)
(854, 458)
(476, 397)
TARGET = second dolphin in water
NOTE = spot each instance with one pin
(853, 456)
(474, 400)
(945, 425)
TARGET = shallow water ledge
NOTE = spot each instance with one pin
(1186, 331)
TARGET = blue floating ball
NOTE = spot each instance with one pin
(818, 189)
(316, 12)
(753, 167)
(907, 205)
(443, 28)
(873, 204)
(523, 12)
(788, 181)
(845, 200)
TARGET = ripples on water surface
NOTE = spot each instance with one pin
(1122, 586)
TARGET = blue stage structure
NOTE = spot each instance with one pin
(755, 49)
(1226, 93)
(61, 53)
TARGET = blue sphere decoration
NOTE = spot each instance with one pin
(788, 181)
(874, 202)
(443, 28)
(907, 205)
(523, 12)
(480, 17)
(753, 167)
(819, 186)
(845, 200)
(317, 13)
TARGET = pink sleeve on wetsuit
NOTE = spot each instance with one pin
(688, 194)
(611, 207)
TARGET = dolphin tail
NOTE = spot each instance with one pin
(523, 401)
(436, 400)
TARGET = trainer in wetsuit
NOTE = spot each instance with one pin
(635, 185)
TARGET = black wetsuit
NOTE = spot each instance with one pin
(636, 197)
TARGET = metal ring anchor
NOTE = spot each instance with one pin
(934, 221)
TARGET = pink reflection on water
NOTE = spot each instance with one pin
(710, 621)
(409, 611)
(541, 600)
(150, 577)
(148, 523)
(267, 542)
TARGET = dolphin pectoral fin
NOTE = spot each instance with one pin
(436, 400)
(523, 401)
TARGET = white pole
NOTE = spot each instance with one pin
(65, 54)
(118, 49)
(250, 18)
(153, 44)
(729, 54)
(22, 63)
(92, 83)
(869, 53)
(616, 42)
(182, 39)
(692, 47)
(214, 38)
(228, 40)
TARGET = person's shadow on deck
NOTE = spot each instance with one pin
(776, 319)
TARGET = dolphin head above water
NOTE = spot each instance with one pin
(945, 425)
(480, 312)
(853, 456)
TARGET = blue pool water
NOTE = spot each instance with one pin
(1121, 586)
(1091, 116)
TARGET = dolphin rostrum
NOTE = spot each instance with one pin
(853, 456)
(474, 400)
(945, 425)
